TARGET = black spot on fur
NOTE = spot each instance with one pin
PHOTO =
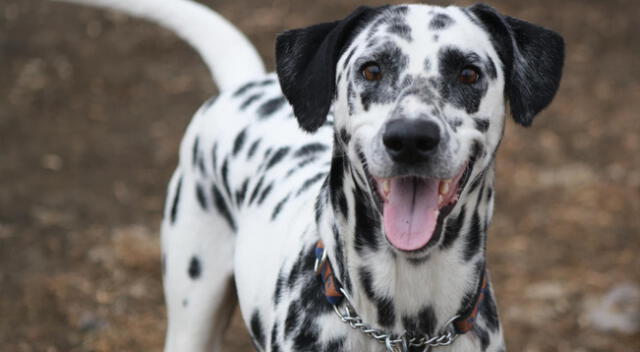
(366, 280)
(340, 260)
(222, 207)
(256, 190)
(253, 148)
(194, 151)
(386, 312)
(384, 305)
(201, 166)
(185, 302)
(271, 106)
(294, 274)
(275, 347)
(400, 29)
(474, 237)
(278, 291)
(483, 336)
(202, 200)
(265, 193)
(245, 104)
(491, 69)
(242, 192)
(481, 125)
(335, 345)
(214, 157)
(477, 181)
(319, 205)
(489, 312)
(367, 223)
(344, 137)
(441, 21)
(336, 181)
(310, 149)
(256, 329)
(291, 321)
(349, 57)
(176, 201)
(460, 95)
(453, 229)
(239, 141)
(310, 182)
(455, 123)
(225, 176)
(423, 323)
(400, 10)
(267, 82)
(277, 157)
(343, 207)
(301, 164)
(244, 88)
(351, 96)
(195, 269)
(307, 338)
(278, 207)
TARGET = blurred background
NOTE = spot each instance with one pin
(93, 105)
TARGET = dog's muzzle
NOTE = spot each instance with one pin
(415, 196)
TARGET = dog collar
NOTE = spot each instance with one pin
(336, 295)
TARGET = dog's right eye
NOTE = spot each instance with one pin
(371, 71)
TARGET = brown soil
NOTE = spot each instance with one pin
(92, 108)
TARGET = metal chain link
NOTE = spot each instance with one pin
(392, 342)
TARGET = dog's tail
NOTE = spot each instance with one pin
(231, 58)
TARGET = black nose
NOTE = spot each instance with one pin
(410, 140)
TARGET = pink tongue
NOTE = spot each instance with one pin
(410, 212)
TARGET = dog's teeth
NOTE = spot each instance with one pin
(445, 186)
(386, 187)
(440, 200)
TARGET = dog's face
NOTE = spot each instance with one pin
(418, 94)
(416, 91)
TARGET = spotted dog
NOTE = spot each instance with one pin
(377, 208)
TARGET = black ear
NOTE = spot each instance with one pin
(306, 64)
(532, 58)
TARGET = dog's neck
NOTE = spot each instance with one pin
(391, 290)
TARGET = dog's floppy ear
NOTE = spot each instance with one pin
(532, 58)
(306, 61)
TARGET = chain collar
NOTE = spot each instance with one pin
(343, 306)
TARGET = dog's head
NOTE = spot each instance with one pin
(419, 92)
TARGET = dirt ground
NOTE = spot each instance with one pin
(92, 108)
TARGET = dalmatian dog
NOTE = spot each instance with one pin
(344, 202)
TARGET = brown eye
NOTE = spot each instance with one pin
(469, 75)
(371, 71)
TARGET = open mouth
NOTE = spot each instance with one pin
(414, 207)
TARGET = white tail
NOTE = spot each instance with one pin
(231, 58)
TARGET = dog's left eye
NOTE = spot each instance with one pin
(469, 75)
(371, 71)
